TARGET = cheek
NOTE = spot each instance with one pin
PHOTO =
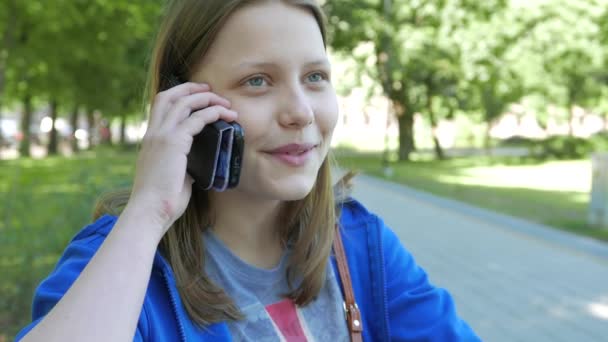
(327, 113)
(254, 117)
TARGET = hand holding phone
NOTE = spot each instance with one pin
(162, 187)
(215, 158)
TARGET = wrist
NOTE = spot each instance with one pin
(142, 220)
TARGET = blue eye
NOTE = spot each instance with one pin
(257, 81)
(316, 77)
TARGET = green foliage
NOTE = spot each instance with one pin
(563, 147)
(87, 53)
(417, 50)
(477, 56)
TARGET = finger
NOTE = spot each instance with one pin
(197, 121)
(191, 103)
(162, 101)
(184, 89)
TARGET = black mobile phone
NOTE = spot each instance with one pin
(236, 159)
(216, 156)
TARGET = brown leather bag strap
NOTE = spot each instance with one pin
(351, 310)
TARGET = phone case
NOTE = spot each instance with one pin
(215, 158)
(236, 160)
(222, 170)
(204, 155)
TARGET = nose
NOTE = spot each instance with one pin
(296, 110)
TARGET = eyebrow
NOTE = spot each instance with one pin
(253, 64)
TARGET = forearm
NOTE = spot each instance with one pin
(105, 301)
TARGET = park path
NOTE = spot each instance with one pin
(512, 280)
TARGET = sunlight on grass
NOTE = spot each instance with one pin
(581, 198)
(554, 193)
(571, 176)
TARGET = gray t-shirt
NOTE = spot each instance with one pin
(270, 317)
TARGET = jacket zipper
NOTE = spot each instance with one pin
(180, 325)
(383, 275)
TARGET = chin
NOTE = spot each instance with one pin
(295, 194)
(293, 188)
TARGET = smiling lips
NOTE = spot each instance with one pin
(293, 154)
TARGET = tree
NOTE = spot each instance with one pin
(21, 67)
(415, 53)
(495, 65)
(566, 47)
(78, 54)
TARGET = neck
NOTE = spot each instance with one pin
(248, 227)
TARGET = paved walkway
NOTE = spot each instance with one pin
(512, 280)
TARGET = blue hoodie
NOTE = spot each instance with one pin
(396, 300)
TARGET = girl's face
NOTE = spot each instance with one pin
(270, 62)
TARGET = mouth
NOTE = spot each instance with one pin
(292, 149)
(294, 155)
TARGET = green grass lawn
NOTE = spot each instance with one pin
(555, 193)
(43, 203)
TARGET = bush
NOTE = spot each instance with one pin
(518, 141)
(560, 147)
(563, 147)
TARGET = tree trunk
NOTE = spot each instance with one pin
(487, 140)
(123, 129)
(26, 119)
(74, 124)
(53, 141)
(91, 124)
(438, 150)
(570, 120)
(405, 118)
(8, 42)
(1, 132)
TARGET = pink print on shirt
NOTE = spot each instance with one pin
(285, 316)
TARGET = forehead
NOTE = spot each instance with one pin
(267, 32)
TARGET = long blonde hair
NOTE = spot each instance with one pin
(186, 33)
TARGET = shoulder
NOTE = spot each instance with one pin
(389, 283)
(353, 213)
(86, 242)
(354, 216)
(73, 260)
(80, 250)
(100, 228)
(366, 237)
